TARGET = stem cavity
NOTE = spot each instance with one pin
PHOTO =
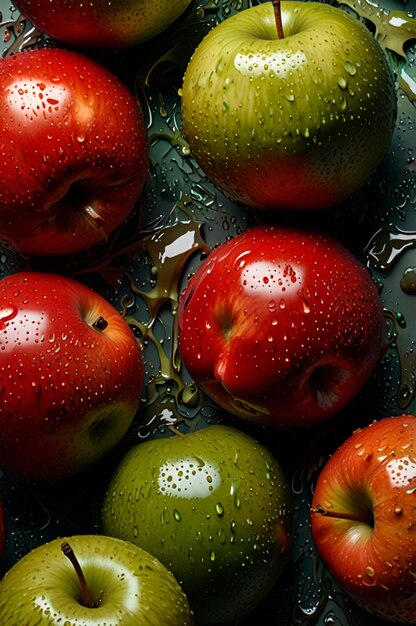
(366, 517)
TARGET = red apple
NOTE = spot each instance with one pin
(281, 326)
(71, 375)
(74, 152)
(364, 517)
(100, 23)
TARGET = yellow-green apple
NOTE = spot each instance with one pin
(71, 375)
(91, 580)
(364, 517)
(294, 113)
(74, 152)
(281, 325)
(100, 23)
(214, 507)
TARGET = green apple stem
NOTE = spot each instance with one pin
(86, 598)
(354, 517)
(278, 17)
(100, 323)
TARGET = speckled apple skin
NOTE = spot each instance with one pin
(374, 470)
(42, 588)
(281, 325)
(102, 23)
(68, 390)
(297, 123)
(66, 120)
(214, 507)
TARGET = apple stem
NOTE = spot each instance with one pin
(86, 598)
(93, 217)
(354, 517)
(278, 17)
(100, 323)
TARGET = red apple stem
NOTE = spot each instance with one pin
(278, 17)
(100, 323)
(86, 597)
(354, 517)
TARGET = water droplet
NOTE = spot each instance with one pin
(400, 319)
(219, 509)
(342, 82)
(6, 314)
(408, 281)
(350, 68)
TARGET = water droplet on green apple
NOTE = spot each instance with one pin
(350, 68)
(342, 82)
(219, 509)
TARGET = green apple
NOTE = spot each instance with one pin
(102, 23)
(103, 582)
(296, 121)
(214, 507)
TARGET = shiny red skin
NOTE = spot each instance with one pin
(374, 470)
(100, 23)
(73, 137)
(281, 326)
(68, 391)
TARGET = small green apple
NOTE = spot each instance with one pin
(100, 23)
(109, 582)
(214, 507)
(298, 121)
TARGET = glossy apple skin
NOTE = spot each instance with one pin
(281, 326)
(74, 142)
(102, 24)
(214, 507)
(374, 470)
(69, 391)
(294, 123)
(42, 588)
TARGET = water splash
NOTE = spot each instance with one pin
(393, 30)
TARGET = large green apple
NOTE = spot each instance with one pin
(100, 23)
(296, 122)
(118, 584)
(214, 507)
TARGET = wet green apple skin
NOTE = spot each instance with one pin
(296, 123)
(42, 588)
(100, 23)
(214, 507)
(374, 471)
